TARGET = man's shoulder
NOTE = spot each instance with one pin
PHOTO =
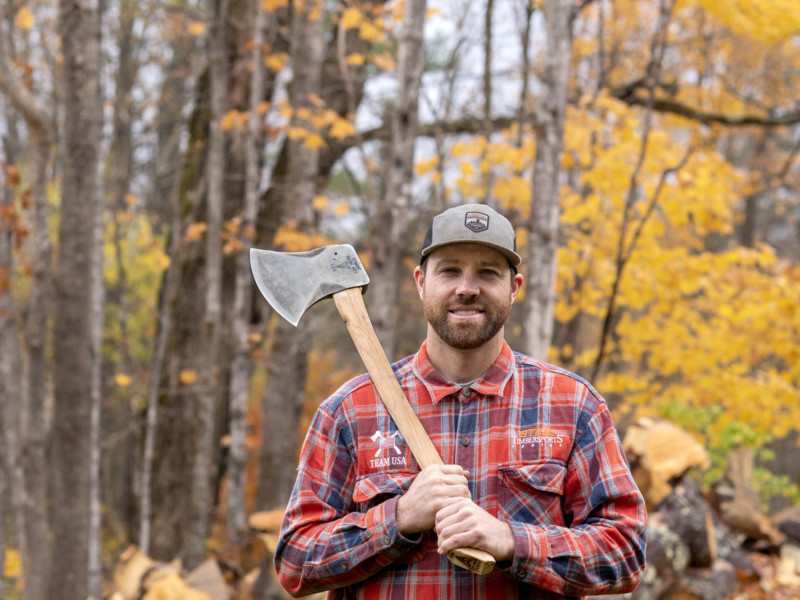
(528, 366)
(360, 389)
(528, 362)
(334, 402)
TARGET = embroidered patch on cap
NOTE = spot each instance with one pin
(476, 221)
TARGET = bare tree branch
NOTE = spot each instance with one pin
(628, 93)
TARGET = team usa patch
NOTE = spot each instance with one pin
(387, 444)
(476, 221)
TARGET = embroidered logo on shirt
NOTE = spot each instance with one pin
(387, 443)
(538, 435)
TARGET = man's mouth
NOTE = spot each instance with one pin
(465, 312)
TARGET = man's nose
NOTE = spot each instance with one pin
(467, 285)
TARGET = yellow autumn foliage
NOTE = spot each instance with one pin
(767, 22)
(24, 18)
(144, 260)
(697, 327)
(289, 239)
(123, 380)
(351, 18)
(12, 566)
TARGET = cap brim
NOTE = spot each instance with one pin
(513, 258)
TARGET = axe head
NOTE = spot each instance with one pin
(292, 281)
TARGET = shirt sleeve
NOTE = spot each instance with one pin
(601, 548)
(325, 542)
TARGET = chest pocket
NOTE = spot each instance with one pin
(533, 492)
(375, 488)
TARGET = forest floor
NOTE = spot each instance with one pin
(777, 582)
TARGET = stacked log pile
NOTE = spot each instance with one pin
(139, 577)
(712, 545)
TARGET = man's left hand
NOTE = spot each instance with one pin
(462, 523)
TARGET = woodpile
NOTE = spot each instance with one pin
(715, 544)
(137, 576)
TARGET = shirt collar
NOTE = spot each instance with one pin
(491, 383)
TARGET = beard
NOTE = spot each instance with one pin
(466, 335)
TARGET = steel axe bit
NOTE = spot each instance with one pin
(293, 281)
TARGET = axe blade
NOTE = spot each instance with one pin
(292, 281)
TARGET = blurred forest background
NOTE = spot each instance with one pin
(646, 151)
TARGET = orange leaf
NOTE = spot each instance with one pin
(196, 28)
(194, 232)
(342, 128)
(188, 376)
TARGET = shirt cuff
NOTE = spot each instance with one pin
(382, 524)
(530, 554)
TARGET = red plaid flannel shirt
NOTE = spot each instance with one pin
(542, 453)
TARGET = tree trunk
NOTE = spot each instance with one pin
(168, 292)
(10, 389)
(35, 434)
(394, 212)
(174, 173)
(202, 499)
(242, 362)
(95, 567)
(284, 394)
(73, 354)
(121, 418)
(33, 429)
(549, 120)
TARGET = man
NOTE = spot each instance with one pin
(535, 473)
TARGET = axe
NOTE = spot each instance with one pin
(292, 281)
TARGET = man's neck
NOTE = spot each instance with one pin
(462, 365)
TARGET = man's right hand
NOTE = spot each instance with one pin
(430, 491)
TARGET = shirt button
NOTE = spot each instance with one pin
(467, 393)
(386, 540)
(521, 573)
(465, 441)
(343, 565)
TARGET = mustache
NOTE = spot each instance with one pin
(466, 306)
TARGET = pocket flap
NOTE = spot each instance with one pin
(545, 475)
(371, 486)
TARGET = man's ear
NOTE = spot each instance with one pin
(516, 286)
(419, 278)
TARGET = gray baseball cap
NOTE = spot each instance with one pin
(472, 223)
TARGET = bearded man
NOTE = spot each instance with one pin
(535, 474)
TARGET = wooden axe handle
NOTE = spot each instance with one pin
(351, 307)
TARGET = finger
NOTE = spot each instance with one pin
(449, 484)
(453, 515)
(455, 533)
(449, 509)
(453, 470)
(457, 540)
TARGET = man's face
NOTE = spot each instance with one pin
(467, 291)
